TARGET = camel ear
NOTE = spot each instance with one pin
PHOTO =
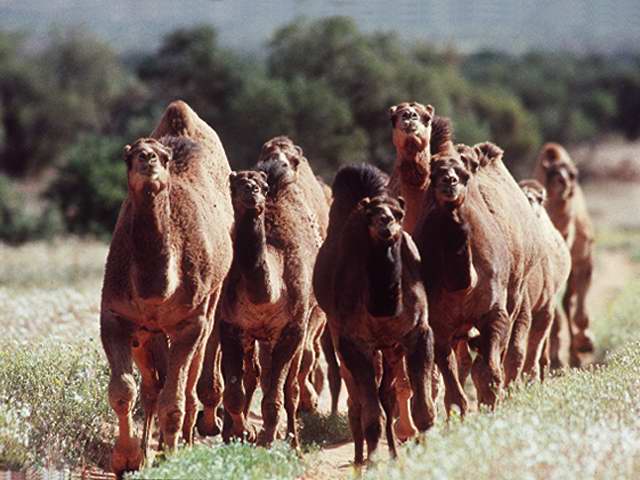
(298, 150)
(364, 203)
(392, 112)
(488, 152)
(263, 182)
(469, 157)
(165, 153)
(428, 116)
(126, 153)
(401, 202)
(295, 162)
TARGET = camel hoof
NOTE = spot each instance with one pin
(208, 427)
(583, 342)
(264, 440)
(404, 432)
(126, 458)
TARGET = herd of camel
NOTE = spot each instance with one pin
(218, 280)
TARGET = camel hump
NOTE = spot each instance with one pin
(180, 120)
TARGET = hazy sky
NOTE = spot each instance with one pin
(508, 24)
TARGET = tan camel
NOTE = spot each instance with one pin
(282, 150)
(170, 252)
(567, 209)
(417, 135)
(477, 248)
(548, 276)
(267, 296)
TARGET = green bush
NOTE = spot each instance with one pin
(236, 460)
(91, 185)
(54, 404)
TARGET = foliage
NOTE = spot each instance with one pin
(53, 403)
(236, 460)
(323, 82)
(324, 429)
(91, 185)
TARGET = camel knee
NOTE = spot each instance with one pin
(122, 393)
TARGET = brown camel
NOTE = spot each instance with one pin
(547, 278)
(282, 150)
(375, 303)
(170, 252)
(417, 135)
(567, 209)
(267, 296)
(477, 247)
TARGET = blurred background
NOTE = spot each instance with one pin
(80, 79)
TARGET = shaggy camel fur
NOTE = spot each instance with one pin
(170, 252)
(267, 296)
(568, 212)
(477, 248)
(417, 135)
(376, 303)
(548, 276)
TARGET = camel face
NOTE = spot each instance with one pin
(411, 124)
(384, 219)
(148, 165)
(561, 179)
(249, 190)
(450, 177)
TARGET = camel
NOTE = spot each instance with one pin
(567, 209)
(375, 303)
(528, 344)
(417, 135)
(477, 248)
(282, 149)
(170, 252)
(267, 296)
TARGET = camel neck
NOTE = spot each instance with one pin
(250, 247)
(414, 165)
(384, 271)
(151, 236)
(560, 212)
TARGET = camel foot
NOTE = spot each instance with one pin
(127, 457)
(208, 424)
(404, 432)
(583, 342)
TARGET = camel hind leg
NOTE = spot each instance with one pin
(517, 349)
(210, 386)
(333, 369)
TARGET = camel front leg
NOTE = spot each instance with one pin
(275, 369)
(487, 367)
(185, 340)
(333, 369)
(453, 392)
(517, 349)
(420, 365)
(117, 337)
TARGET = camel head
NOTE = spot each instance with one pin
(384, 218)
(536, 194)
(147, 165)
(248, 191)
(561, 178)
(411, 123)
(450, 174)
(281, 150)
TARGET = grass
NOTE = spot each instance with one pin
(53, 404)
(581, 424)
(235, 461)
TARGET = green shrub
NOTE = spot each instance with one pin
(53, 403)
(91, 185)
(236, 461)
(324, 429)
